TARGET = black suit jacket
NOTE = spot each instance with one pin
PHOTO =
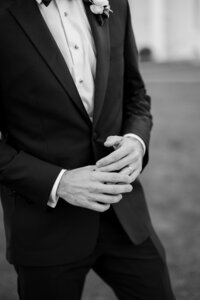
(45, 128)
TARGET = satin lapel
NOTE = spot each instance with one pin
(28, 16)
(102, 43)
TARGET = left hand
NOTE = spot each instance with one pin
(126, 159)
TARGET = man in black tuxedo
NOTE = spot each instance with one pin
(75, 122)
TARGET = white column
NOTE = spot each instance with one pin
(197, 28)
(158, 38)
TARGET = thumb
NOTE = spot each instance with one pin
(113, 141)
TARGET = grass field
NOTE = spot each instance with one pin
(172, 182)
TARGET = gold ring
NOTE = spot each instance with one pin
(130, 169)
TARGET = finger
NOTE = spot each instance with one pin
(110, 177)
(125, 171)
(98, 206)
(128, 170)
(115, 189)
(90, 168)
(113, 157)
(113, 141)
(116, 166)
(103, 198)
(134, 175)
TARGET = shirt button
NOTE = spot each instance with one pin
(76, 47)
(65, 14)
(81, 81)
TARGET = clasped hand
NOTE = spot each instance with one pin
(97, 187)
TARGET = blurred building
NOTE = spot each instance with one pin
(169, 29)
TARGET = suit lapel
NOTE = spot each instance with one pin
(102, 43)
(29, 18)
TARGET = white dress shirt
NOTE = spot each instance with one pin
(69, 26)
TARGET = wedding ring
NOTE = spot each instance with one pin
(130, 169)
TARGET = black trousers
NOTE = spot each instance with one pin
(133, 272)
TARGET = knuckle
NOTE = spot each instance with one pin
(114, 177)
(90, 189)
(95, 189)
(91, 175)
(90, 198)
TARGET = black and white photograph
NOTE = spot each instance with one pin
(99, 149)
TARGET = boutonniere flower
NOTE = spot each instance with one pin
(101, 8)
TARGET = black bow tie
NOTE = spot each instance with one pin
(46, 2)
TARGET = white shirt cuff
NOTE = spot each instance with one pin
(53, 199)
(137, 138)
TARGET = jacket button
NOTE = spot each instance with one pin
(95, 135)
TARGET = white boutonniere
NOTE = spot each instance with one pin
(101, 8)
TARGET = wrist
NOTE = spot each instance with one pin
(60, 184)
(139, 141)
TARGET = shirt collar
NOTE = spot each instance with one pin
(39, 1)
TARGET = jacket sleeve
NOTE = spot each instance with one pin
(24, 174)
(137, 104)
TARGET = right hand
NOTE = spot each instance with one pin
(90, 188)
